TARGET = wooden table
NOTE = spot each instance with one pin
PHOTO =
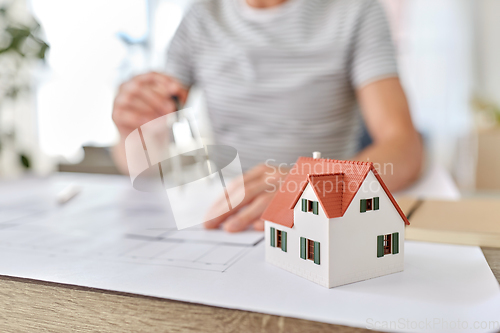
(35, 306)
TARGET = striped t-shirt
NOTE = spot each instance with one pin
(280, 83)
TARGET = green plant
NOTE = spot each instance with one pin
(21, 47)
(488, 109)
(19, 44)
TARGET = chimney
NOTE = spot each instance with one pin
(316, 154)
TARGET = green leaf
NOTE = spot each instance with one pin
(13, 92)
(18, 32)
(25, 161)
(42, 52)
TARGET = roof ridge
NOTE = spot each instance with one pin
(325, 174)
(337, 161)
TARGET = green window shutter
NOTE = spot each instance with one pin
(273, 237)
(302, 247)
(395, 243)
(316, 253)
(283, 241)
(304, 205)
(375, 203)
(363, 206)
(380, 246)
(315, 208)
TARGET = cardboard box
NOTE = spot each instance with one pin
(488, 160)
(467, 221)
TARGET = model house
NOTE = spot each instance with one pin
(334, 222)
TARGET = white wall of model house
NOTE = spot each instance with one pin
(310, 226)
(348, 244)
(353, 238)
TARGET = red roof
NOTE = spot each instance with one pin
(322, 173)
(329, 190)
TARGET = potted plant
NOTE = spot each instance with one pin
(22, 50)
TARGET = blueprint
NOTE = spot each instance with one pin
(109, 220)
(112, 237)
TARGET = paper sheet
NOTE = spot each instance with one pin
(115, 238)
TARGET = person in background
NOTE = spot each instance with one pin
(283, 78)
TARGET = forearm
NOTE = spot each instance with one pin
(398, 159)
(397, 151)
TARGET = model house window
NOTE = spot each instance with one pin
(369, 204)
(309, 249)
(387, 244)
(278, 238)
(310, 206)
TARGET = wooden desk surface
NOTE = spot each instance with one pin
(35, 306)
